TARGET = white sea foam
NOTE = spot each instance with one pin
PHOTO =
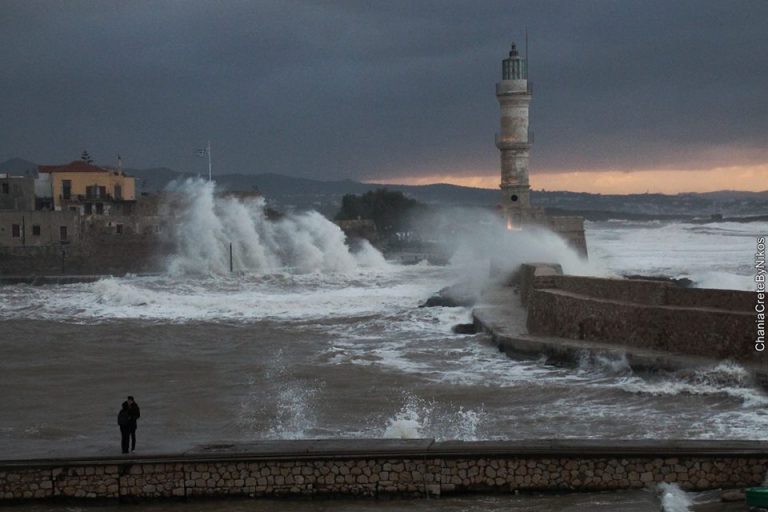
(231, 297)
(603, 364)
(716, 255)
(116, 292)
(419, 418)
(491, 244)
(673, 498)
(405, 425)
(205, 225)
(726, 378)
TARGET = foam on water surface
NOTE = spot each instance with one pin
(714, 255)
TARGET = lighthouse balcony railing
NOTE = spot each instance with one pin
(500, 139)
(514, 87)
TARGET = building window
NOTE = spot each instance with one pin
(118, 192)
(6, 189)
(88, 208)
(35, 230)
(119, 229)
(66, 188)
(99, 208)
(63, 233)
(16, 230)
(102, 191)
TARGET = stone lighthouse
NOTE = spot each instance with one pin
(514, 95)
(514, 143)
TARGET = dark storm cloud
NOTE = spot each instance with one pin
(366, 89)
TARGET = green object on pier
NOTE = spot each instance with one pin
(757, 497)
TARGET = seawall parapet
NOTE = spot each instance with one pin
(653, 324)
(653, 315)
(381, 467)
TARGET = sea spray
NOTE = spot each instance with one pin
(419, 418)
(405, 425)
(204, 226)
(673, 499)
(291, 413)
(710, 255)
(115, 292)
(477, 239)
(603, 364)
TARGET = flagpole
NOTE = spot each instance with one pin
(209, 160)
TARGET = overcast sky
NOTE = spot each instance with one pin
(383, 89)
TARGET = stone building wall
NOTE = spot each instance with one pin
(410, 474)
(37, 228)
(114, 244)
(17, 193)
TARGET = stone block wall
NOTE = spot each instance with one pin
(716, 334)
(85, 482)
(627, 290)
(730, 300)
(535, 275)
(415, 474)
(717, 324)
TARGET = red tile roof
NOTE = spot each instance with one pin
(76, 166)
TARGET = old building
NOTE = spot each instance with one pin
(88, 189)
(38, 228)
(77, 219)
(17, 193)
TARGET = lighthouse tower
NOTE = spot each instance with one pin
(514, 97)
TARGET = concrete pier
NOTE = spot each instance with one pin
(387, 467)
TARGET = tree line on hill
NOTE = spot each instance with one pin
(390, 210)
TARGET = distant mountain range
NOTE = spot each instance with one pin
(288, 192)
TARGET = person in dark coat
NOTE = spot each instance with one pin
(124, 421)
(134, 413)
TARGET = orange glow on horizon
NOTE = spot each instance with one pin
(665, 181)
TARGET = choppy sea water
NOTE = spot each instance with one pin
(713, 255)
(289, 352)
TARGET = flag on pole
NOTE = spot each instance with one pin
(202, 152)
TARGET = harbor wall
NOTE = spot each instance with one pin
(64, 243)
(653, 315)
(375, 468)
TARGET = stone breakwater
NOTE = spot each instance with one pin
(373, 468)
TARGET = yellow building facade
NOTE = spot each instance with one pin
(80, 183)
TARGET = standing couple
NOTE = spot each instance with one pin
(126, 418)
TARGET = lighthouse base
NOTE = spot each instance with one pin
(570, 228)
